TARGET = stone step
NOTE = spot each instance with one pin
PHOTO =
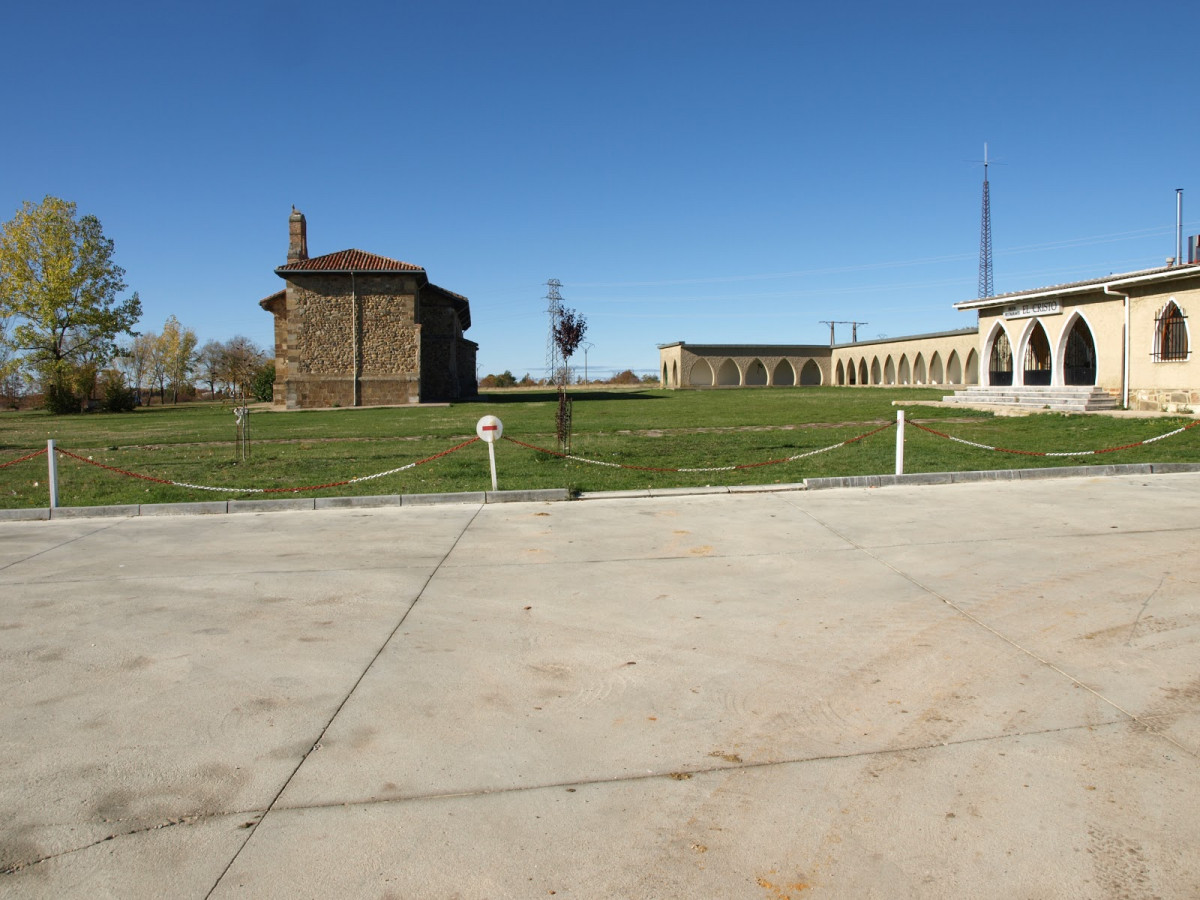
(1061, 398)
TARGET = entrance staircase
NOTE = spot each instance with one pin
(1058, 399)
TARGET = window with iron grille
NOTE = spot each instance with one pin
(1170, 335)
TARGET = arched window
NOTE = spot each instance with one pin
(1170, 335)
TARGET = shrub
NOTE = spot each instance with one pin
(115, 395)
(262, 384)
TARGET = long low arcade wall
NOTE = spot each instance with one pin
(944, 358)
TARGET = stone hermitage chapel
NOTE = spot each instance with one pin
(356, 329)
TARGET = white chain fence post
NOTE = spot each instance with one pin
(52, 465)
(900, 442)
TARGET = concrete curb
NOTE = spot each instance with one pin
(557, 495)
(873, 481)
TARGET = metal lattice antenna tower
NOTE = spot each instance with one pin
(554, 310)
(985, 238)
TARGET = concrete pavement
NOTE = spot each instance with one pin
(945, 691)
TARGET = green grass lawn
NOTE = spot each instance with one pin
(650, 429)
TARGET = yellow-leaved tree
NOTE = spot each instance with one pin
(59, 290)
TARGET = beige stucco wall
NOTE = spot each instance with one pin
(1153, 384)
(683, 365)
(949, 358)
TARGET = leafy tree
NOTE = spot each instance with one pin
(209, 362)
(569, 329)
(242, 359)
(135, 359)
(59, 287)
(156, 368)
(178, 351)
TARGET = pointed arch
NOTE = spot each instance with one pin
(1000, 357)
(972, 373)
(919, 369)
(729, 375)
(889, 370)
(876, 371)
(904, 374)
(701, 374)
(954, 373)
(756, 374)
(839, 374)
(1077, 352)
(862, 371)
(784, 374)
(1172, 340)
(1037, 362)
(935, 368)
(665, 383)
(675, 374)
(810, 373)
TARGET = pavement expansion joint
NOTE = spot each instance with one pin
(59, 546)
(346, 699)
(685, 774)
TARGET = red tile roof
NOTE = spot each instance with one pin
(266, 302)
(347, 260)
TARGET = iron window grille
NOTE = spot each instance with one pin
(1170, 329)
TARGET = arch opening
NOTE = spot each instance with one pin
(972, 376)
(1079, 360)
(701, 374)
(1037, 367)
(728, 375)
(935, 368)
(810, 373)
(954, 368)
(756, 374)
(784, 374)
(1000, 361)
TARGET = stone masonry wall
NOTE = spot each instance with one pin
(322, 313)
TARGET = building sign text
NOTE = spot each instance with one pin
(1038, 308)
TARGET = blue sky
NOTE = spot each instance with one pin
(700, 171)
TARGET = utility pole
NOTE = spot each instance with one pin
(853, 329)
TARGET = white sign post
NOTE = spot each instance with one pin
(489, 429)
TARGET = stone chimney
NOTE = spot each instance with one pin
(297, 236)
